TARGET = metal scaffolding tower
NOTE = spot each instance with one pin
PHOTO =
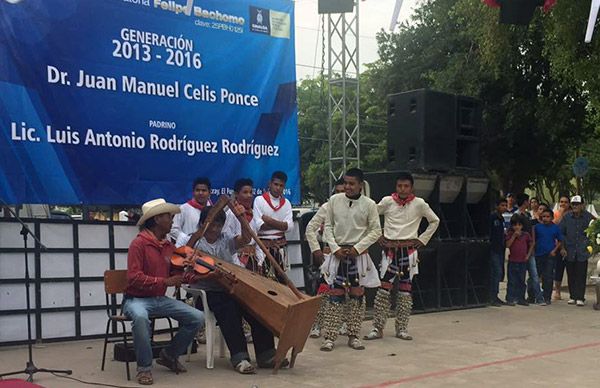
(343, 121)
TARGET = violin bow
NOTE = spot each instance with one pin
(217, 207)
(274, 263)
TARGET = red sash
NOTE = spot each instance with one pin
(267, 198)
(249, 214)
(403, 202)
(248, 207)
(193, 203)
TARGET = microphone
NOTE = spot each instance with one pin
(350, 204)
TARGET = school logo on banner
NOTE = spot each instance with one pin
(270, 22)
(259, 20)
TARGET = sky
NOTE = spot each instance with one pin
(373, 16)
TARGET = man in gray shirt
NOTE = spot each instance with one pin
(228, 311)
(573, 227)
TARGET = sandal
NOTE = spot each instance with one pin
(244, 367)
(327, 346)
(145, 378)
(172, 363)
(355, 343)
(315, 332)
(404, 336)
(373, 335)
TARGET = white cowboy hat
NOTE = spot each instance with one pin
(156, 207)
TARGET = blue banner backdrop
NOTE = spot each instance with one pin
(122, 101)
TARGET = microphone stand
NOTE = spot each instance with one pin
(30, 368)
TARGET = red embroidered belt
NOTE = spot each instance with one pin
(277, 243)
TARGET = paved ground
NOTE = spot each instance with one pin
(557, 345)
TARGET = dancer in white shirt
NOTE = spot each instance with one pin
(273, 218)
(314, 230)
(248, 256)
(402, 212)
(351, 227)
(186, 222)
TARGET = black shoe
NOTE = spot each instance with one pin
(523, 303)
(270, 364)
(510, 303)
(498, 300)
(495, 304)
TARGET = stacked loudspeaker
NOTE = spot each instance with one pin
(433, 131)
(436, 136)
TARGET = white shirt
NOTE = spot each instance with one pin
(402, 222)
(261, 207)
(351, 222)
(186, 222)
(233, 228)
(313, 227)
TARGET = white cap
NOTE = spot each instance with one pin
(576, 199)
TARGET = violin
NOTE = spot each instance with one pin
(200, 264)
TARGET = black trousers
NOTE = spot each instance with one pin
(577, 276)
(559, 269)
(229, 314)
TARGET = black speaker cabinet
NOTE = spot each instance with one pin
(421, 130)
(468, 128)
(433, 131)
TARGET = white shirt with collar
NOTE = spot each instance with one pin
(352, 222)
(284, 214)
(402, 222)
(312, 229)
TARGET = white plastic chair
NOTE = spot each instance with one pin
(210, 324)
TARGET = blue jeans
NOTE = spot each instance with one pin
(140, 310)
(496, 267)
(515, 291)
(546, 264)
(534, 291)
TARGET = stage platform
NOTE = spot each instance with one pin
(556, 345)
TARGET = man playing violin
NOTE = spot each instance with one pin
(148, 276)
(227, 311)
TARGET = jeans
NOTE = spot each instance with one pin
(496, 270)
(545, 267)
(534, 291)
(515, 291)
(577, 276)
(229, 316)
(140, 310)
